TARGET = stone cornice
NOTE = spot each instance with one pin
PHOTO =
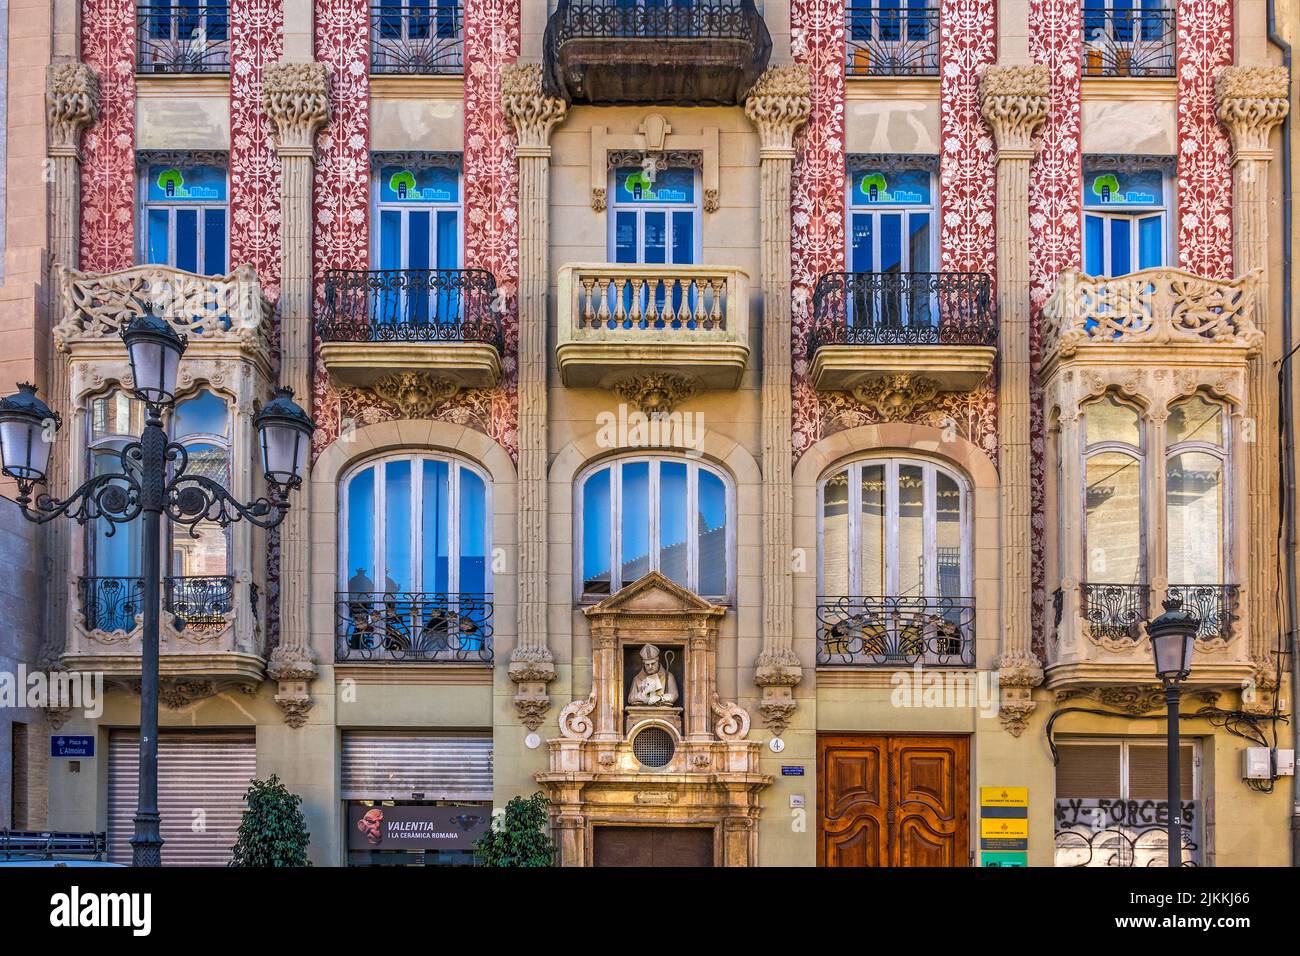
(1251, 101)
(530, 111)
(296, 97)
(1014, 100)
(778, 104)
(71, 104)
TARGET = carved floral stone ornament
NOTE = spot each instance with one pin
(1014, 100)
(531, 112)
(1251, 101)
(416, 394)
(296, 97)
(778, 104)
(653, 392)
(896, 396)
(71, 104)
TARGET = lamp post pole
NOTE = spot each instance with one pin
(153, 482)
(1172, 694)
(1173, 640)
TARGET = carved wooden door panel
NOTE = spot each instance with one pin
(893, 801)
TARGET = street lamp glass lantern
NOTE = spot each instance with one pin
(154, 349)
(284, 432)
(1173, 637)
(27, 427)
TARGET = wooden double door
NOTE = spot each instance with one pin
(896, 800)
(652, 846)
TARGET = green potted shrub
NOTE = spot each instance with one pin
(273, 831)
(520, 837)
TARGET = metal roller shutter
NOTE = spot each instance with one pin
(396, 766)
(202, 779)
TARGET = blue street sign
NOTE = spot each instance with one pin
(63, 746)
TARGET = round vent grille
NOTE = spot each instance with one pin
(654, 747)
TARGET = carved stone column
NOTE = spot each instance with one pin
(533, 115)
(1014, 101)
(778, 105)
(295, 96)
(71, 104)
(1252, 101)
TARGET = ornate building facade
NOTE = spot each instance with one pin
(763, 427)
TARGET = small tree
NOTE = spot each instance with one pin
(520, 839)
(273, 831)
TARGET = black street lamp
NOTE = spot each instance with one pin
(153, 481)
(1173, 636)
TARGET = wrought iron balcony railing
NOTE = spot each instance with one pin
(182, 38)
(892, 39)
(417, 37)
(112, 604)
(414, 627)
(1133, 38)
(1214, 604)
(896, 631)
(410, 305)
(1114, 611)
(903, 308)
(697, 52)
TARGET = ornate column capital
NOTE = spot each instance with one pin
(1014, 100)
(778, 104)
(296, 97)
(71, 104)
(530, 111)
(1251, 101)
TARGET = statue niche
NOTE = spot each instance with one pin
(652, 685)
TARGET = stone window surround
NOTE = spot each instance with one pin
(655, 137)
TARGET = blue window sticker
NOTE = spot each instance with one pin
(436, 184)
(906, 187)
(1143, 187)
(676, 185)
(181, 184)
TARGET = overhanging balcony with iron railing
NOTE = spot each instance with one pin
(672, 52)
(615, 320)
(198, 636)
(1129, 38)
(182, 38)
(940, 327)
(410, 627)
(415, 38)
(441, 321)
(895, 631)
(892, 38)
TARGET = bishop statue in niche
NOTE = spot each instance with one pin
(653, 685)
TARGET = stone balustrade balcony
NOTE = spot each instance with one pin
(616, 320)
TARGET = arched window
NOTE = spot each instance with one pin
(415, 582)
(112, 588)
(895, 565)
(1113, 531)
(655, 514)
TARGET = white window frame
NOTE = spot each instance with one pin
(668, 208)
(693, 469)
(379, 521)
(145, 205)
(906, 209)
(1223, 452)
(1137, 452)
(433, 208)
(930, 470)
(1134, 214)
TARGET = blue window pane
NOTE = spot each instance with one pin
(157, 247)
(417, 257)
(187, 239)
(1151, 235)
(891, 242)
(918, 227)
(448, 239)
(1121, 239)
(674, 560)
(397, 526)
(712, 530)
(181, 184)
(1093, 246)
(676, 185)
(910, 187)
(863, 238)
(390, 239)
(625, 237)
(655, 240)
(1143, 187)
(361, 532)
(473, 537)
(214, 241)
(635, 526)
(435, 527)
(683, 238)
(596, 533)
(204, 414)
(432, 185)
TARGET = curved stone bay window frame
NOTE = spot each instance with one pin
(895, 564)
(610, 492)
(415, 560)
(1141, 366)
(226, 320)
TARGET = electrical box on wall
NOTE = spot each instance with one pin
(1285, 763)
(1255, 764)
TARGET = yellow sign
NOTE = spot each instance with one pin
(1004, 796)
(992, 828)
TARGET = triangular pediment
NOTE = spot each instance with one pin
(654, 594)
